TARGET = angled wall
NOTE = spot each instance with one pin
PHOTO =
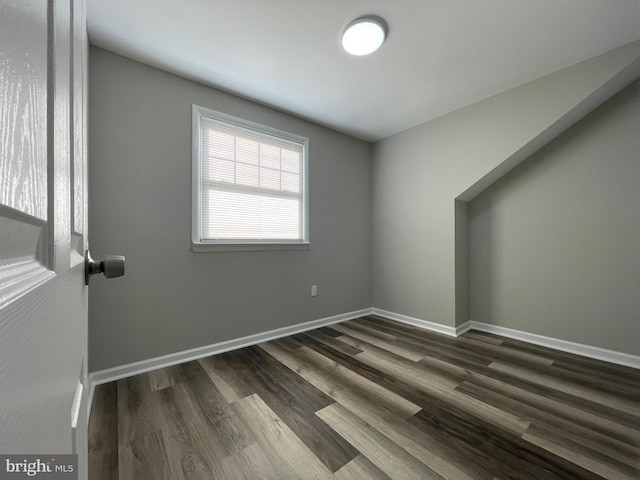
(554, 246)
(418, 174)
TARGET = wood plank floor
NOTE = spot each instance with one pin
(372, 399)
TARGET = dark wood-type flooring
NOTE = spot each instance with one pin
(372, 399)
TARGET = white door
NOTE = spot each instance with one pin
(43, 228)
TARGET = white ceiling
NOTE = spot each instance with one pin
(440, 55)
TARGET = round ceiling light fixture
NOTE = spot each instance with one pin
(364, 35)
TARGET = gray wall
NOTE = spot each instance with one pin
(555, 244)
(387, 225)
(172, 299)
(418, 255)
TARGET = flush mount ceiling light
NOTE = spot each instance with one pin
(364, 35)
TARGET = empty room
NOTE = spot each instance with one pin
(343, 240)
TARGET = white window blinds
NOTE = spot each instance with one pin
(252, 185)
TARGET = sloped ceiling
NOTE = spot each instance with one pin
(440, 55)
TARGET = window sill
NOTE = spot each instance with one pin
(247, 247)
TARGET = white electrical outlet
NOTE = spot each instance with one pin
(314, 290)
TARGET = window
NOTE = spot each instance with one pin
(249, 185)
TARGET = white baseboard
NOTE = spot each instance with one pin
(417, 322)
(116, 373)
(123, 371)
(465, 327)
(589, 351)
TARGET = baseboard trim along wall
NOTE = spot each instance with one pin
(143, 366)
(417, 322)
(123, 371)
(597, 353)
(588, 351)
(129, 370)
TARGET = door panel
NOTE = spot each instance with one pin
(40, 368)
(79, 52)
(59, 131)
(23, 107)
(43, 300)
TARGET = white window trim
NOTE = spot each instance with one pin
(241, 245)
